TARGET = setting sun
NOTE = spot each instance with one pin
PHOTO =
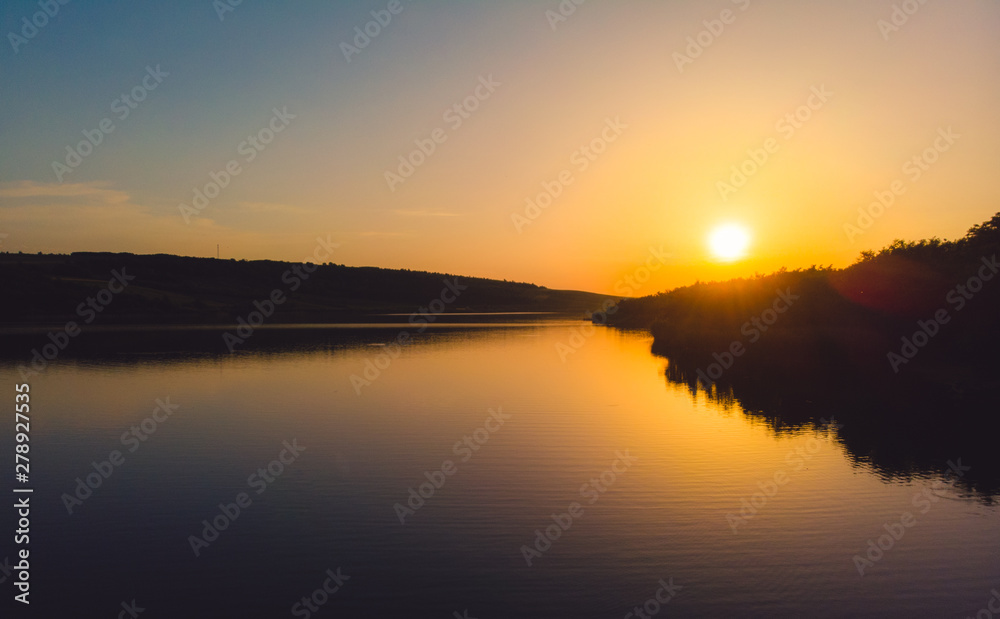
(729, 242)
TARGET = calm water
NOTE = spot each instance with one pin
(663, 516)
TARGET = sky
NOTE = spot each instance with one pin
(561, 144)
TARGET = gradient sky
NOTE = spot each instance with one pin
(655, 185)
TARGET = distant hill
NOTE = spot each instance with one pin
(47, 288)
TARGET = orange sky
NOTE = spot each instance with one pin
(662, 132)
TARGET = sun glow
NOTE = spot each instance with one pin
(729, 242)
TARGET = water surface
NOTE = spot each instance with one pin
(666, 515)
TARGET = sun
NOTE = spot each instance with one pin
(729, 242)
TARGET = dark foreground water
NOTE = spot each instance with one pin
(640, 484)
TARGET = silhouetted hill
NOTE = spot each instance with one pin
(173, 289)
(901, 347)
(850, 318)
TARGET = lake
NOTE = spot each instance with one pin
(513, 469)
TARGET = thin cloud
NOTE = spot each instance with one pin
(270, 207)
(95, 217)
(418, 213)
(93, 191)
(384, 235)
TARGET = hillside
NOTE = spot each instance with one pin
(911, 308)
(163, 289)
(900, 347)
